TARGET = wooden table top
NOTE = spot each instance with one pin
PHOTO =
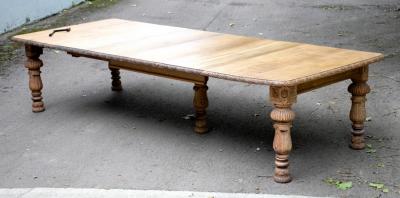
(211, 54)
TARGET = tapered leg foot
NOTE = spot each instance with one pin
(282, 174)
(116, 84)
(33, 65)
(282, 115)
(200, 103)
(359, 89)
(357, 139)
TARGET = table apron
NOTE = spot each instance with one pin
(200, 79)
(318, 83)
(142, 68)
(163, 72)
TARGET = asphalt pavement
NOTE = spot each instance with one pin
(91, 137)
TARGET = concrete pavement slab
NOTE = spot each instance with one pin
(112, 193)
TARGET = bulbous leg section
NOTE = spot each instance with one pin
(200, 103)
(116, 84)
(33, 65)
(359, 89)
(282, 115)
(282, 142)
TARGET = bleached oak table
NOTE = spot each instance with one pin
(288, 68)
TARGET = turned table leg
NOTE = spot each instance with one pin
(282, 115)
(33, 64)
(200, 103)
(116, 84)
(359, 89)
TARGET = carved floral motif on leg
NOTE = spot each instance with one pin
(282, 115)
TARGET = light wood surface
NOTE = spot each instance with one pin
(205, 53)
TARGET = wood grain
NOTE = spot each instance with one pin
(211, 54)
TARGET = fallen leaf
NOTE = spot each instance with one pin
(385, 190)
(379, 186)
(368, 119)
(344, 185)
(231, 24)
(341, 185)
(370, 151)
(376, 185)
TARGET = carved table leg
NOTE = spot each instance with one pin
(33, 64)
(359, 89)
(282, 115)
(200, 103)
(115, 77)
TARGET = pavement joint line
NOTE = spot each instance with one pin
(122, 193)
